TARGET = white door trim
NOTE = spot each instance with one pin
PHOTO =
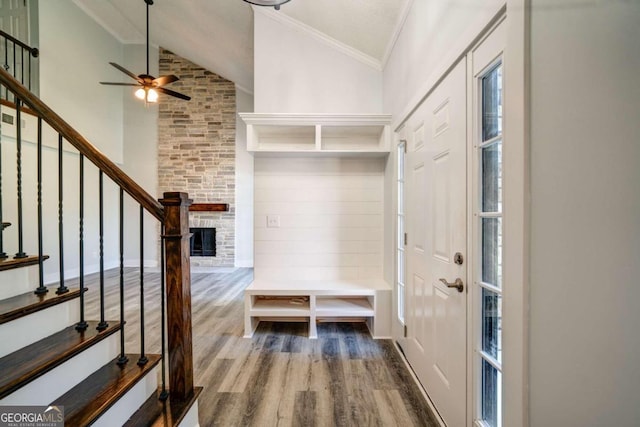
(516, 227)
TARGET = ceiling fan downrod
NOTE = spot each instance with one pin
(148, 86)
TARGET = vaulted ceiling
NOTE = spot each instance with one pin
(218, 34)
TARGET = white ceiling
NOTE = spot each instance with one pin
(218, 34)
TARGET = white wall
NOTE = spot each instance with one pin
(50, 204)
(585, 214)
(140, 148)
(434, 34)
(244, 186)
(297, 73)
(74, 56)
(330, 212)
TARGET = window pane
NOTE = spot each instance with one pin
(492, 251)
(401, 302)
(492, 104)
(400, 198)
(490, 394)
(492, 178)
(400, 231)
(491, 324)
(401, 267)
(401, 161)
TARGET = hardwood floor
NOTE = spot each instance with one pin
(279, 377)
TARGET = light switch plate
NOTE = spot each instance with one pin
(273, 221)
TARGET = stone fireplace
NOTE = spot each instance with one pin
(196, 151)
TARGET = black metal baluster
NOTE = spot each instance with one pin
(143, 359)
(14, 59)
(29, 82)
(41, 289)
(82, 324)
(123, 358)
(164, 394)
(62, 288)
(3, 254)
(21, 253)
(21, 65)
(103, 324)
(6, 65)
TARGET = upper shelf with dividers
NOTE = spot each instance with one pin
(313, 135)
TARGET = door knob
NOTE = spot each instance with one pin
(457, 284)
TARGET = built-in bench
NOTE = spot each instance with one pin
(319, 300)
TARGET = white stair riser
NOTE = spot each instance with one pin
(128, 404)
(18, 281)
(191, 418)
(58, 381)
(28, 329)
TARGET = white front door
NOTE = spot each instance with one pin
(436, 318)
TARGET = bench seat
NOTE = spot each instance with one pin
(316, 300)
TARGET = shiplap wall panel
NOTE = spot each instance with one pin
(300, 247)
(311, 208)
(331, 218)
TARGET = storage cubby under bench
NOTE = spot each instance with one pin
(318, 300)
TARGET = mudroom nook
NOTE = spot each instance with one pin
(319, 224)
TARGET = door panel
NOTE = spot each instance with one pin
(436, 229)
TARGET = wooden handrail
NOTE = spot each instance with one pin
(83, 145)
(32, 50)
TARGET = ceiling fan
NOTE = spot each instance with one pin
(149, 85)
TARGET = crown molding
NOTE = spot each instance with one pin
(402, 18)
(320, 36)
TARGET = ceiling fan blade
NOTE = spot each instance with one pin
(165, 80)
(127, 72)
(173, 93)
(119, 84)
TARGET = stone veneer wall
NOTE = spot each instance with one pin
(196, 152)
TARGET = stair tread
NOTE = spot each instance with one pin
(24, 304)
(11, 263)
(156, 413)
(85, 402)
(34, 360)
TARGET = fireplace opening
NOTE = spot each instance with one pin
(203, 241)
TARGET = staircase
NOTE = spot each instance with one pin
(57, 351)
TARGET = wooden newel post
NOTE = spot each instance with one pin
(178, 283)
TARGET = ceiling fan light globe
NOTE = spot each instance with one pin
(269, 3)
(152, 95)
(141, 94)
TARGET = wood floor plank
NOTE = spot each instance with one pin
(391, 409)
(363, 408)
(296, 379)
(304, 411)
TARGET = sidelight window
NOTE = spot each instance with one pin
(488, 214)
(401, 232)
